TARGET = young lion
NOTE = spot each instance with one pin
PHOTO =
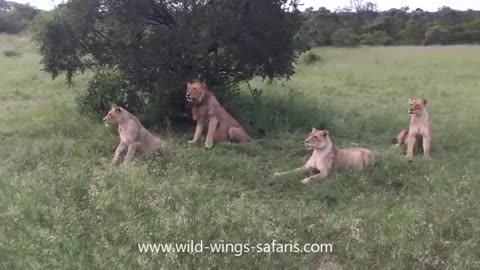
(211, 117)
(326, 157)
(133, 136)
(419, 129)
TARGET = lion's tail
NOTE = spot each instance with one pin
(260, 133)
(258, 137)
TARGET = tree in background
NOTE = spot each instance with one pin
(155, 46)
(345, 37)
(401, 26)
(15, 17)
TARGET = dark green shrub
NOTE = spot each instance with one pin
(311, 58)
(12, 53)
(107, 88)
(367, 39)
(381, 38)
(345, 37)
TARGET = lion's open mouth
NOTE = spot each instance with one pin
(189, 97)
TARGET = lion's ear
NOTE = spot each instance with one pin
(424, 100)
(314, 129)
(203, 81)
(325, 133)
(116, 108)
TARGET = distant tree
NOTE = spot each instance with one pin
(345, 37)
(156, 46)
(402, 26)
(3, 5)
(15, 17)
(436, 35)
(318, 28)
(367, 39)
(465, 33)
(363, 6)
(446, 16)
(414, 31)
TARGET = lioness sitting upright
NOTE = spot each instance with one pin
(212, 119)
(133, 136)
(326, 157)
(419, 129)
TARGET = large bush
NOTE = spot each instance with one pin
(157, 45)
(107, 88)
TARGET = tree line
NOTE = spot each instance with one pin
(15, 17)
(362, 24)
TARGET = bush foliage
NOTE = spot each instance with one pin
(311, 57)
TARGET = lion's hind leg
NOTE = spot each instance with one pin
(237, 135)
(368, 159)
(302, 169)
(402, 138)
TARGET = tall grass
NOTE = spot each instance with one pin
(63, 207)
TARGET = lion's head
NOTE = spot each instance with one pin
(318, 139)
(416, 105)
(196, 90)
(114, 116)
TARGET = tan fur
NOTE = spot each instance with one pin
(419, 130)
(134, 138)
(326, 157)
(213, 121)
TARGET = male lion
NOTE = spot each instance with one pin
(133, 136)
(211, 117)
(326, 157)
(419, 129)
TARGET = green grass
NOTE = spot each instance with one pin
(63, 207)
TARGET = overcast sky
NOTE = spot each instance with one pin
(430, 5)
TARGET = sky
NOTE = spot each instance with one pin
(430, 5)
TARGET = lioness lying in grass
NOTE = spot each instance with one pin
(326, 157)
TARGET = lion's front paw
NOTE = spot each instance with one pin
(208, 145)
(306, 181)
(192, 142)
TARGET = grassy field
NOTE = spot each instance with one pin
(63, 207)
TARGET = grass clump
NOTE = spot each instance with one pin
(11, 53)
